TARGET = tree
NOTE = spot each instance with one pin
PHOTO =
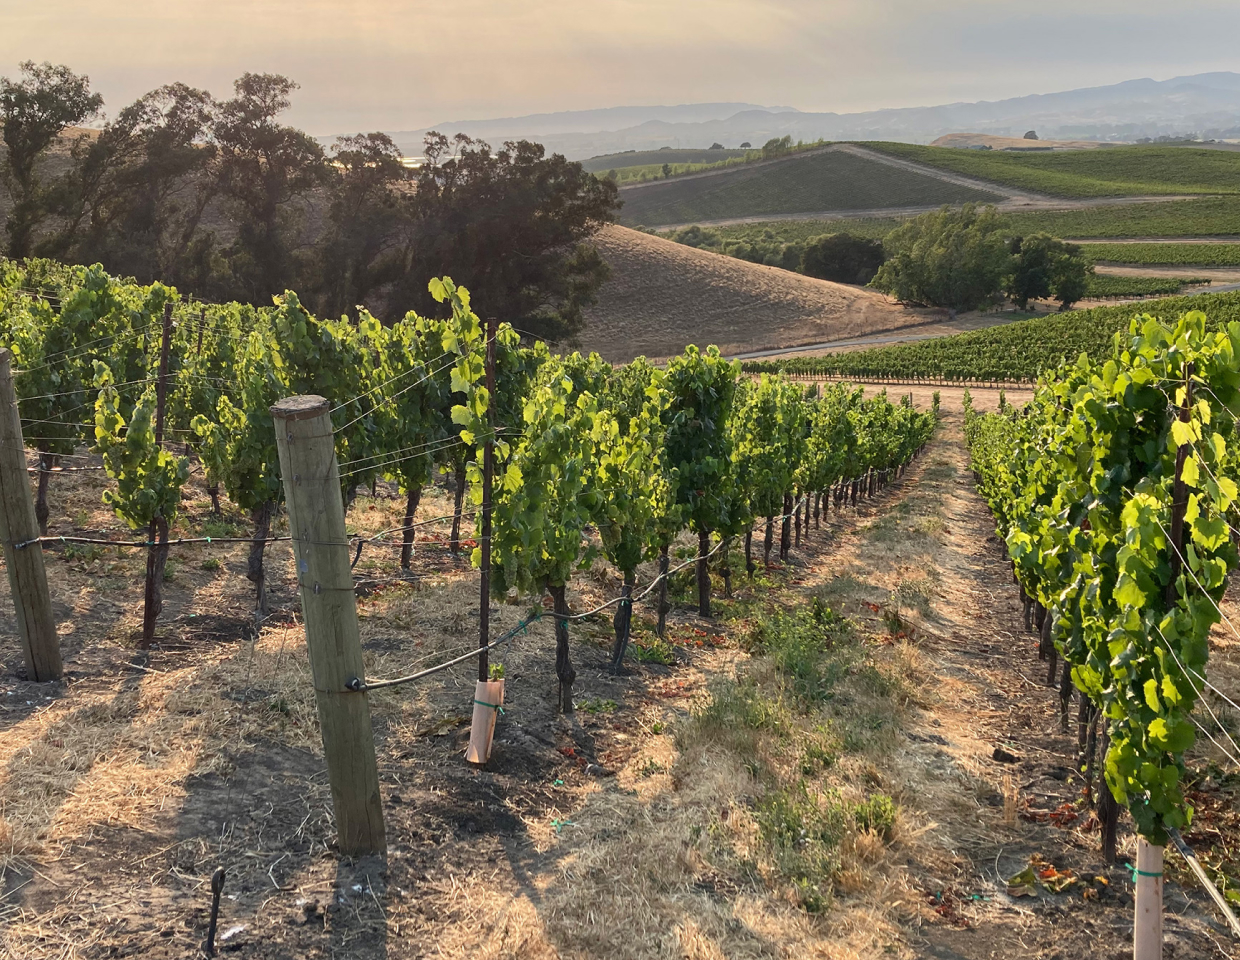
(35, 111)
(360, 248)
(776, 147)
(746, 145)
(138, 192)
(512, 227)
(1070, 278)
(700, 388)
(1031, 135)
(1042, 265)
(716, 145)
(667, 170)
(1031, 273)
(950, 258)
(265, 168)
(842, 258)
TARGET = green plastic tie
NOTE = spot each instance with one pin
(1141, 873)
(494, 706)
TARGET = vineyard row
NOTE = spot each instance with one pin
(1115, 493)
(587, 460)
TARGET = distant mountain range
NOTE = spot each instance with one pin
(1207, 104)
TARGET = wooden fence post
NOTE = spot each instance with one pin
(311, 479)
(27, 575)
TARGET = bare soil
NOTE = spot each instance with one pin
(963, 141)
(1215, 274)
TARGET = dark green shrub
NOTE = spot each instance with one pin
(842, 258)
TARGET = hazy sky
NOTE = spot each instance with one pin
(404, 64)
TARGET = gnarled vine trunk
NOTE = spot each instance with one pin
(47, 461)
(725, 568)
(406, 545)
(156, 562)
(664, 606)
(785, 531)
(564, 671)
(1108, 807)
(703, 573)
(255, 571)
(769, 542)
(622, 622)
(750, 567)
(454, 544)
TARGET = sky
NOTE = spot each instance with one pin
(407, 64)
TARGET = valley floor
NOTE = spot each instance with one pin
(627, 831)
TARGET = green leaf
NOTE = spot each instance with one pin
(1129, 594)
(1151, 695)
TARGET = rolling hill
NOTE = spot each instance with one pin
(664, 295)
(830, 179)
(1207, 104)
(1114, 172)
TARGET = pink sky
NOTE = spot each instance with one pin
(402, 64)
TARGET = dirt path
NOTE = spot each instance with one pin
(926, 329)
(1219, 274)
(946, 176)
(1226, 238)
(931, 540)
(992, 696)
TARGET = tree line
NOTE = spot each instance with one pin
(224, 200)
(961, 259)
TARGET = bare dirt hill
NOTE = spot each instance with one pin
(664, 295)
(966, 140)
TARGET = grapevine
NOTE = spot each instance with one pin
(1089, 486)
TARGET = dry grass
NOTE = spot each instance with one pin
(664, 295)
(118, 799)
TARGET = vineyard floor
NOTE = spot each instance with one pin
(595, 836)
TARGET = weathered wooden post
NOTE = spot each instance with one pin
(311, 479)
(27, 575)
